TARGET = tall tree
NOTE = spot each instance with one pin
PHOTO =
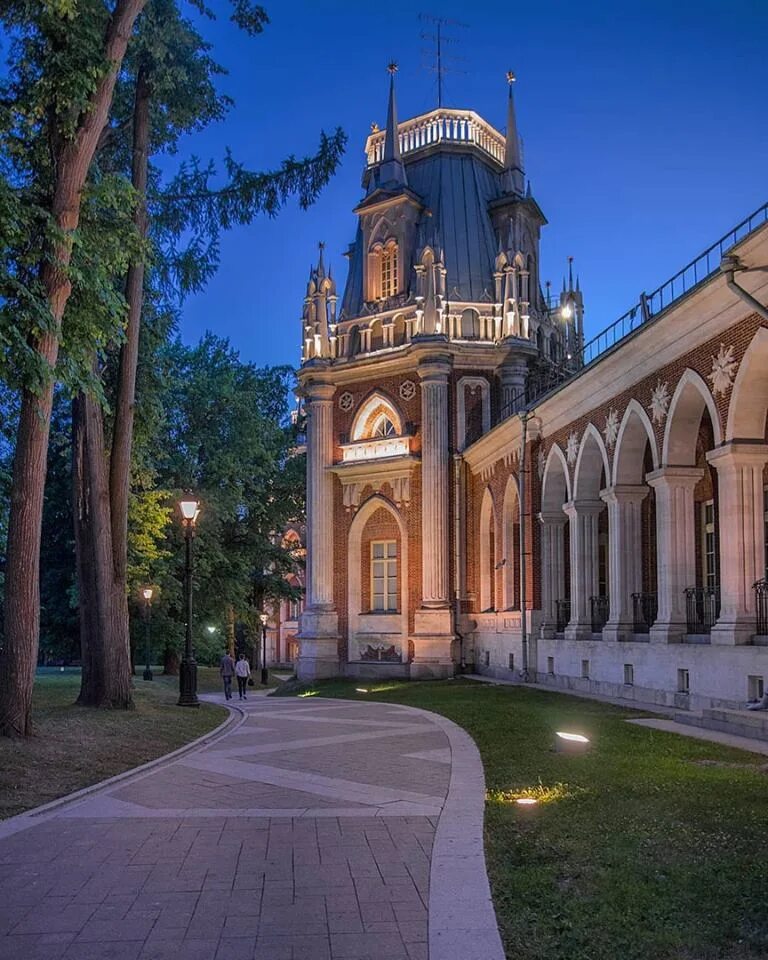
(74, 103)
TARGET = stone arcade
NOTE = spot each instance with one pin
(447, 375)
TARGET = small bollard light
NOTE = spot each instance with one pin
(571, 742)
(526, 801)
(361, 690)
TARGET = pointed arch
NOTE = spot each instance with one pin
(629, 456)
(510, 533)
(372, 413)
(383, 623)
(591, 465)
(487, 551)
(689, 401)
(749, 398)
(555, 484)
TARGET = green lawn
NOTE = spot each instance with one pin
(650, 847)
(75, 746)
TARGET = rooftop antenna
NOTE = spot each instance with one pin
(442, 62)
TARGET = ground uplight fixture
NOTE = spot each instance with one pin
(571, 742)
(526, 801)
(361, 689)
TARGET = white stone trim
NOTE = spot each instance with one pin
(690, 378)
(634, 409)
(749, 397)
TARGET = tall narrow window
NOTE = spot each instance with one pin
(384, 576)
(389, 270)
(709, 545)
(765, 525)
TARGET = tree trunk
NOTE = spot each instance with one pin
(22, 584)
(122, 437)
(231, 630)
(171, 661)
(104, 630)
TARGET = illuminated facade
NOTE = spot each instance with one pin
(485, 490)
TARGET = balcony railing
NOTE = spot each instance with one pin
(375, 449)
(702, 608)
(600, 607)
(440, 126)
(761, 606)
(649, 306)
(645, 609)
(563, 615)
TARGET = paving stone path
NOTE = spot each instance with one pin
(308, 830)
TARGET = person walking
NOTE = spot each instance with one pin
(242, 672)
(227, 671)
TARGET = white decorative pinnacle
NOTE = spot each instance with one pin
(345, 401)
(407, 390)
(611, 428)
(572, 448)
(659, 402)
(541, 463)
(723, 370)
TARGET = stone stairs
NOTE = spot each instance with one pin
(739, 723)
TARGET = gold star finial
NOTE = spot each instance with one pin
(511, 77)
(392, 68)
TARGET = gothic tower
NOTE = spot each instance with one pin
(442, 324)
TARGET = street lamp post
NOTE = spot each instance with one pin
(190, 510)
(147, 594)
(264, 671)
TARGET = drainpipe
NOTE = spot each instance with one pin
(524, 414)
(458, 463)
(729, 265)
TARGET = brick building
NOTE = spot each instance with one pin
(487, 491)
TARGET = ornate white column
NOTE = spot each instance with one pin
(433, 622)
(583, 516)
(741, 530)
(552, 569)
(625, 556)
(676, 547)
(319, 656)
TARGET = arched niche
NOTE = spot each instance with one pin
(370, 420)
(487, 552)
(510, 538)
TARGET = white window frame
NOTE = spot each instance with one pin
(389, 591)
(708, 566)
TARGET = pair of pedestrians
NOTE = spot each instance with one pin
(242, 670)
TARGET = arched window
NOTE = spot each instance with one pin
(383, 427)
(389, 270)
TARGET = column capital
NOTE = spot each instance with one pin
(549, 519)
(315, 390)
(436, 368)
(735, 454)
(583, 508)
(675, 477)
(625, 493)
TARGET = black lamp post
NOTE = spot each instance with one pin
(190, 510)
(147, 594)
(264, 671)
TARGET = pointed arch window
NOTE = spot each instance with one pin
(383, 427)
(389, 269)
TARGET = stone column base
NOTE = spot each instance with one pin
(578, 631)
(433, 639)
(733, 632)
(618, 632)
(319, 640)
(672, 632)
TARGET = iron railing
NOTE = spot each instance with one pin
(649, 306)
(702, 608)
(761, 606)
(645, 609)
(563, 615)
(600, 607)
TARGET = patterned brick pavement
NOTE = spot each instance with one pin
(304, 832)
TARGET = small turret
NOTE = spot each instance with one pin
(392, 169)
(319, 318)
(572, 313)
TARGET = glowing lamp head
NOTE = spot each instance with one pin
(211, 629)
(147, 593)
(566, 311)
(190, 508)
(263, 618)
(571, 742)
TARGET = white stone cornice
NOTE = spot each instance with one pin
(357, 475)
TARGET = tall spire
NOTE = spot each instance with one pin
(392, 168)
(513, 164)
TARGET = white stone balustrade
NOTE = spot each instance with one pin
(440, 126)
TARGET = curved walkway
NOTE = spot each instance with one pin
(308, 829)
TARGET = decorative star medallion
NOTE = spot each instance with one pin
(723, 370)
(345, 401)
(611, 428)
(659, 402)
(572, 448)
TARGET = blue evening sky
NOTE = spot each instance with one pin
(644, 126)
